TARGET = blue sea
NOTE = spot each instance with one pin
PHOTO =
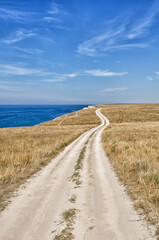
(20, 115)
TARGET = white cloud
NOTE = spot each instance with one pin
(149, 78)
(110, 41)
(104, 73)
(60, 77)
(21, 71)
(56, 15)
(142, 25)
(19, 35)
(157, 73)
(52, 19)
(95, 45)
(72, 75)
(7, 70)
(57, 79)
(118, 35)
(13, 15)
(29, 50)
(126, 46)
(115, 89)
(56, 9)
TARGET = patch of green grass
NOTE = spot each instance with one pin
(79, 163)
(73, 199)
(76, 175)
(69, 217)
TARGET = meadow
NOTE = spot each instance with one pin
(132, 144)
(25, 150)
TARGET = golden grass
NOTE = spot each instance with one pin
(24, 150)
(82, 117)
(131, 112)
(132, 145)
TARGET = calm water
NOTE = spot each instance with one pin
(18, 116)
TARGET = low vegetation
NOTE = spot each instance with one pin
(79, 164)
(82, 117)
(69, 218)
(24, 150)
(132, 143)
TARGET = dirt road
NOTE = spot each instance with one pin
(77, 196)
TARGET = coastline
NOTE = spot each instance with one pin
(25, 150)
(31, 115)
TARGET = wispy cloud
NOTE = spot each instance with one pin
(53, 80)
(104, 73)
(19, 35)
(120, 35)
(52, 19)
(12, 14)
(97, 44)
(55, 14)
(60, 77)
(6, 70)
(56, 9)
(29, 50)
(71, 75)
(111, 41)
(142, 25)
(126, 46)
(115, 89)
(9, 70)
(149, 78)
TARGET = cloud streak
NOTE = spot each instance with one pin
(10, 14)
(142, 26)
(11, 70)
(114, 89)
(60, 77)
(19, 36)
(120, 35)
(6, 70)
(56, 9)
(56, 13)
(104, 73)
(52, 19)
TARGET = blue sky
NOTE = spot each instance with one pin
(71, 51)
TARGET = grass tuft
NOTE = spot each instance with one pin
(69, 218)
(76, 175)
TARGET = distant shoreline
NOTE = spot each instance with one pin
(31, 115)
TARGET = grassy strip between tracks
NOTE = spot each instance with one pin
(69, 218)
(132, 145)
(70, 214)
(25, 150)
(76, 175)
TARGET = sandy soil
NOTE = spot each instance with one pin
(103, 210)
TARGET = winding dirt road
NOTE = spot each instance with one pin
(43, 207)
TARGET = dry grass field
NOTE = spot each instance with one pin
(24, 150)
(132, 144)
(118, 113)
